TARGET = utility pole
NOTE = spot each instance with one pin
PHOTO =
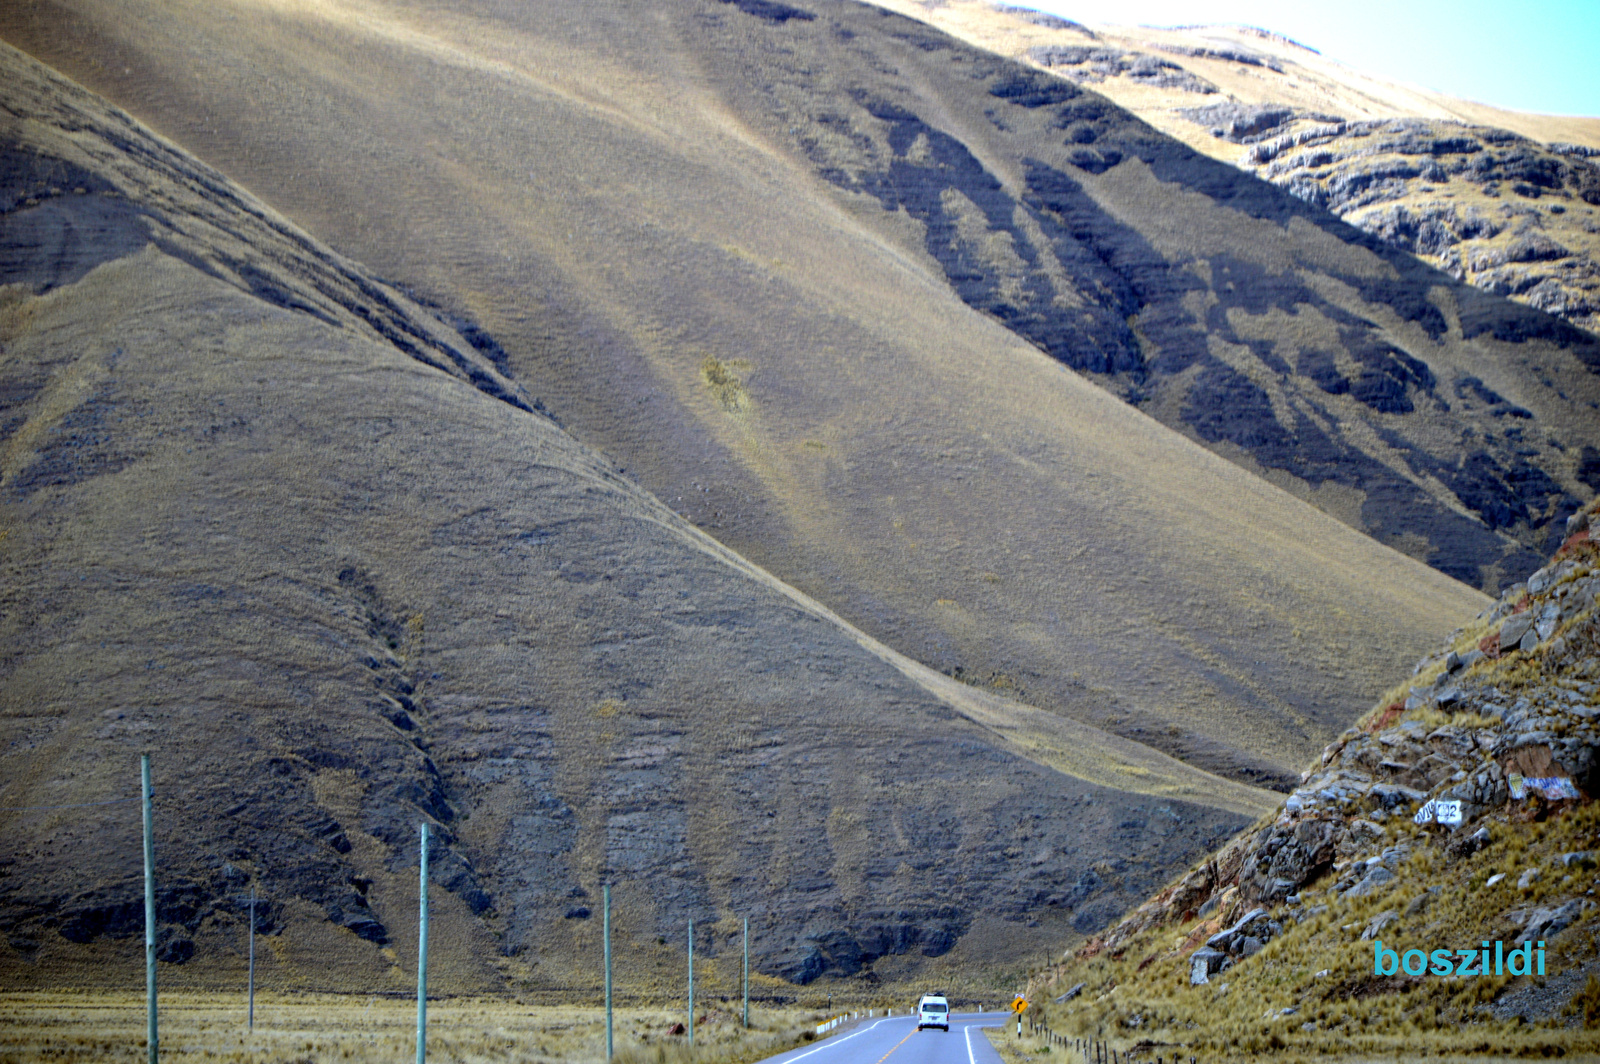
(422, 956)
(252, 957)
(691, 982)
(747, 973)
(151, 1037)
(605, 933)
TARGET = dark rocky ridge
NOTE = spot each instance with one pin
(1089, 288)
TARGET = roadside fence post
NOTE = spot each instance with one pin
(747, 973)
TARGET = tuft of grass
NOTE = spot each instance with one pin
(727, 387)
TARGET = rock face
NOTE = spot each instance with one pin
(1506, 214)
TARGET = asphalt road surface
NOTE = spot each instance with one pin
(896, 1040)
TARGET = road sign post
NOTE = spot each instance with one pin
(1019, 1005)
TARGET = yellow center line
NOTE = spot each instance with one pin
(897, 1045)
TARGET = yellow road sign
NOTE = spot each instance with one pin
(1020, 1005)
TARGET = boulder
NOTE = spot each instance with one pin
(1548, 921)
(1376, 925)
(1392, 796)
(1376, 879)
(1467, 845)
(1203, 963)
(1254, 922)
(1420, 903)
(1287, 856)
(1513, 630)
(1070, 994)
(1484, 790)
(1362, 835)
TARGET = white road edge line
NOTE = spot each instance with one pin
(980, 1026)
(840, 1041)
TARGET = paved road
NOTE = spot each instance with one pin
(896, 1040)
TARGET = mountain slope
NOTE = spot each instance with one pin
(697, 236)
(1429, 173)
(1274, 942)
(265, 518)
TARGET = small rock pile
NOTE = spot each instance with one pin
(1244, 939)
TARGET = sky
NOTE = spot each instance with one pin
(1527, 55)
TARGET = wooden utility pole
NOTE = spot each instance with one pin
(747, 972)
(691, 982)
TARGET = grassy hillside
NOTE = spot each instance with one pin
(741, 252)
(264, 517)
(1286, 921)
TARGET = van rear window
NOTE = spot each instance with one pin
(934, 1006)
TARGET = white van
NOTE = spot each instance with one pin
(933, 1011)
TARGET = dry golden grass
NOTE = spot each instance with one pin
(330, 1029)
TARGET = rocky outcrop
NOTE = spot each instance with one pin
(1513, 748)
(1094, 64)
(1505, 213)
